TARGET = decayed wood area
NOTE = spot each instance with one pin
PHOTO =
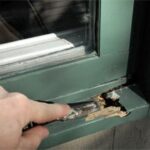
(131, 136)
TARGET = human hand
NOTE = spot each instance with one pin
(16, 111)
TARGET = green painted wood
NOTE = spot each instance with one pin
(80, 79)
(130, 136)
(116, 21)
(52, 82)
(131, 98)
(83, 95)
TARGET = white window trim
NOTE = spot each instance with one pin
(40, 62)
(37, 52)
(32, 48)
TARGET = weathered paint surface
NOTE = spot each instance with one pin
(75, 80)
(130, 97)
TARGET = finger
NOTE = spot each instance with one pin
(32, 138)
(3, 92)
(42, 112)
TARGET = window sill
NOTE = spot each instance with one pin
(131, 98)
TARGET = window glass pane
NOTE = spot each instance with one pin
(72, 20)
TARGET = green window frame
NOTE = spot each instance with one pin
(82, 78)
(93, 70)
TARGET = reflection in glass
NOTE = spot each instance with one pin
(69, 19)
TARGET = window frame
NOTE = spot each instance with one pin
(47, 50)
(93, 70)
(77, 80)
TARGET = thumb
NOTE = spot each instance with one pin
(32, 138)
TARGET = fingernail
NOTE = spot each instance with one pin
(65, 107)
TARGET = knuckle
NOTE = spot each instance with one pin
(62, 109)
(19, 99)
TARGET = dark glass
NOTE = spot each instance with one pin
(69, 19)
